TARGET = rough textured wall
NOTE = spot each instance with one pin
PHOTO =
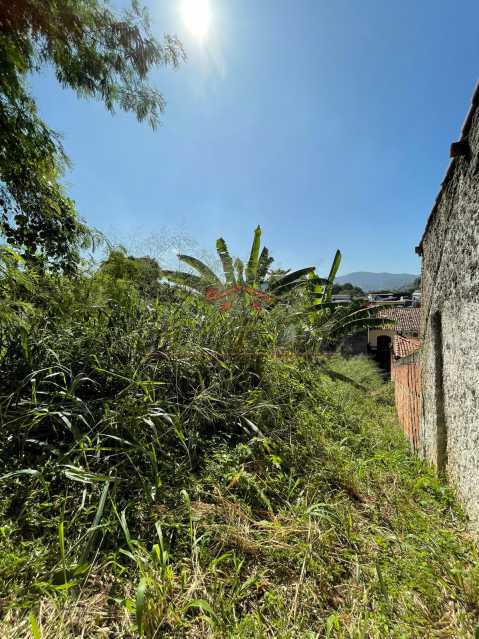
(406, 374)
(450, 325)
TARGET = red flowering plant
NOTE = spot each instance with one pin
(253, 282)
(225, 298)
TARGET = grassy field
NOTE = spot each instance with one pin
(192, 494)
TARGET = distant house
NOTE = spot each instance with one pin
(405, 321)
(381, 297)
(404, 346)
(450, 320)
(416, 296)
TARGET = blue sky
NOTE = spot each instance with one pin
(327, 122)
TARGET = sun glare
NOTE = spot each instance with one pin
(197, 17)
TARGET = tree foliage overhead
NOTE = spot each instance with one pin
(99, 54)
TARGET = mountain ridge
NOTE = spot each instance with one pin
(370, 281)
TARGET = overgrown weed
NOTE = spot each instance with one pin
(174, 471)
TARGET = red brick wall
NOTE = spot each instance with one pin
(406, 375)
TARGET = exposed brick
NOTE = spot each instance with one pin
(406, 374)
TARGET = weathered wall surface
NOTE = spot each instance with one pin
(406, 375)
(450, 324)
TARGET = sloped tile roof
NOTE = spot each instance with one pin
(404, 346)
(406, 320)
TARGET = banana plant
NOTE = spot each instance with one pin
(338, 320)
(238, 280)
(322, 289)
(331, 320)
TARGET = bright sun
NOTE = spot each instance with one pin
(197, 17)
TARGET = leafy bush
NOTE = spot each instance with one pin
(174, 471)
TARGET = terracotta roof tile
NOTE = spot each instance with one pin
(404, 346)
(407, 320)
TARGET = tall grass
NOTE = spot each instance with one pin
(173, 471)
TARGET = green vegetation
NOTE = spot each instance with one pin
(174, 467)
(348, 289)
(171, 470)
(101, 55)
(255, 281)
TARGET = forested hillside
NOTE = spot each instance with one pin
(378, 281)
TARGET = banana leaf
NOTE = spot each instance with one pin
(239, 266)
(324, 306)
(209, 276)
(194, 282)
(318, 285)
(264, 263)
(252, 266)
(226, 261)
(284, 290)
(332, 275)
(290, 277)
(358, 324)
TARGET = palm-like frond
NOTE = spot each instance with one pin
(204, 270)
(252, 266)
(194, 282)
(226, 261)
(346, 319)
(357, 324)
(323, 306)
(239, 267)
(296, 277)
(318, 287)
(264, 263)
(332, 275)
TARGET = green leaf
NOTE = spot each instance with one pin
(101, 504)
(200, 604)
(24, 471)
(335, 267)
(36, 633)
(322, 306)
(126, 530)
(25, 343)
(332, 624)
(226, 261)
(83, 476)
(61, 540)
(239, 266)
(252, 266)
(264, 263)
(209, 276)
(359, 324)
(185, 279)
(290, 278)
(140, 605)
(332, 274)
(284, 290)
